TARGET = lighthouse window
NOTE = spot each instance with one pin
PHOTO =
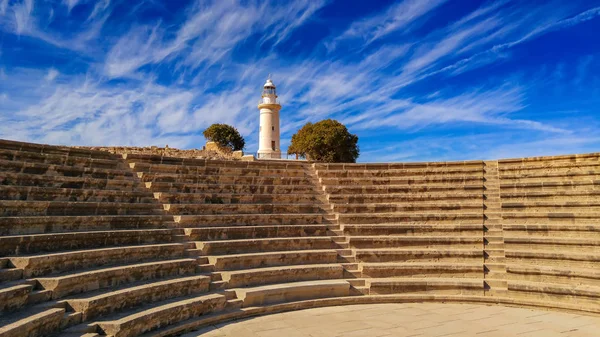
(272, 128)
(273, 145)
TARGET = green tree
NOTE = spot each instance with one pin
(327, 141)
(225, 136)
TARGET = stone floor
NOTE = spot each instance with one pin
(414, 319)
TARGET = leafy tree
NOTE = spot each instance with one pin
(327, 141)
(225, 136)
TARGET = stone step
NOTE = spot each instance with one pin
(23, 179)
(51, 263)
(552, 230)
(146, 319)
(585, 295)
(420, 255)
(282, 274)
(549, 185)
(58, 170)
(423, 269)
(272, 259)
(553, 258)
(48, 224)
(36, 243)
(264, 245)
(289, 292)
(58, 159)
(255, 232)
(590, 173)
(403, 197)
(393, 173)
(107, 277)
(425, 218)
(554, 243)
(551, 195)
(34, 193)
(418, 207)
(549, 166)
(425, 242)
(97, 304)
(220, 220)
(400, 166)
(405, 189)
(206, 209)
(53, 149)
(223, 179)
(229, 198)
(14, 297)
(446, 286)
(8, 274)
(229, 188)
(438, 180)
(263, 164)
(216, 170)
(575, 217)
(553, 274)
(414, 229)
(11, 208)
(37, 321)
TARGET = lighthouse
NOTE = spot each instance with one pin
(268, 144)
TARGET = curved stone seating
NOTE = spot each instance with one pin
(95, 244)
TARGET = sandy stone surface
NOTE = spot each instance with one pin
(413, 319)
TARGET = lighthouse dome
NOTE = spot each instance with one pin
(269, 84)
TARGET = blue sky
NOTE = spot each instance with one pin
(414, 79)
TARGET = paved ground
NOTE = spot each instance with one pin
(410, 320)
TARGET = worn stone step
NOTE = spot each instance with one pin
(419, 255)
(156, 159)
(272, 259)
(406, 189)
(51, 263)
(423, 269)
(220, 220)
(393, 173)
(60, 159)
(36, 321)
(10, 208)
(216, 170)
(54, 149)
(550, 195)
(255, 232)
(14, 297)
(575, 217)
(264, 245)
(554, 243)
(11, 166)
(426, 285)
(230, 198)
(401, 181)
(177, 187)
(23, 179)
(404, 197)
(553, 274)
(295, 291)
(223, 179)
(585, 295)
(282, 274)
(417, 207)
(151, 318)
(363, 242)
(97, 304)
(48, 224)
(206, 209)
(52, 242)
(553, 230)
(399, 166)
(550, 185)
(553, 258)
(550, 166)
(414, 229)
(406, 217)
(34, 193)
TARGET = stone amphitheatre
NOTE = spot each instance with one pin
(101, 244)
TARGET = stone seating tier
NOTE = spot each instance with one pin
(99, 244)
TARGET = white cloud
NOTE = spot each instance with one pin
(3, 6)
(52, 74)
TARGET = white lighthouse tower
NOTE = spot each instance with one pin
(268, 145)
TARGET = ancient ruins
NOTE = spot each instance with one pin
(95, 243)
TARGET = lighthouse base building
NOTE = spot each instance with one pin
(269, 133)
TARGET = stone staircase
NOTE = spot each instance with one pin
(93, 244)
